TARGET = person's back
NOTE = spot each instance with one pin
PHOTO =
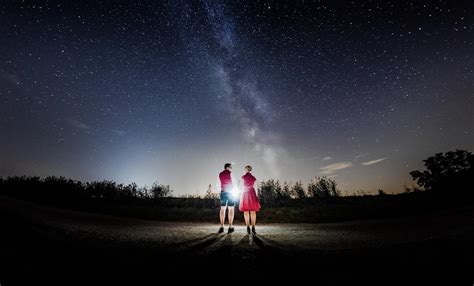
(226, 197)
(249, 203)
(249, 181)
(225, 179)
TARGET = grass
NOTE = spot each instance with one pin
(294, 211)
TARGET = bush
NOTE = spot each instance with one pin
(268, 192)
(298, 191)
(60, 189)
(323, 188)
(159, 191)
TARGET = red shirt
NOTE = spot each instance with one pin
(249, 180)
(226, 181)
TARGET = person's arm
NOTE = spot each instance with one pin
(255, 186)
(234, 182)
(218, 185)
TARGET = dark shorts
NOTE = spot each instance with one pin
(227, 198)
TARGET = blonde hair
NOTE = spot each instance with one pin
(248, 168)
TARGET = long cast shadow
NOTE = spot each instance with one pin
(191, 241)
(258, 241)
(245, 240)
(206, 241)
(225, 250)
(195, 256)
(264, 243)
(269, 248)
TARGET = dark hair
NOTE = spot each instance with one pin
(249, 168)
(227, 165)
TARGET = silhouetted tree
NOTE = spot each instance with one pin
(447, 172)
(411, 189)
(381, 192)
(143, 193)
(323, 188)
(298, 190)
(210, 194)
(128, 192)
(62, 190)
(285, 191)
(211, 198)
(268, 191)
(360, 193)
(160, 191)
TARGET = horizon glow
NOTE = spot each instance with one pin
(170, 91)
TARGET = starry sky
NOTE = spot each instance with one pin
(169, 91)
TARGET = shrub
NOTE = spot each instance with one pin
(298, 191)
(323, 188)
(159, 191)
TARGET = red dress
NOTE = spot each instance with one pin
(248, 199)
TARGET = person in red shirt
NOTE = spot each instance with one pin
(227, 197)
(249, 203)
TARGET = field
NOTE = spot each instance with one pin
(44, 244)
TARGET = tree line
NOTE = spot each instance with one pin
(446, 173)
(61, 188)
(272, 192)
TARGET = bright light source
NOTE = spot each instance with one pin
(235, 192)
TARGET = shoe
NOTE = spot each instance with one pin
(221, 229)
(248, 229)
(231, 229)
(253, 230)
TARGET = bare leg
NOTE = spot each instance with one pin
(253, 216)
(231, 216)
(222, 215)
(246, 217)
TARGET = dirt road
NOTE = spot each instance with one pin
(48, 243)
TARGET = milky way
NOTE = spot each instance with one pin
(242, 99)
(141, 91)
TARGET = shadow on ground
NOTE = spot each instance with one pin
(34, 251)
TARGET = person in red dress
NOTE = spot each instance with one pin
(249, 203)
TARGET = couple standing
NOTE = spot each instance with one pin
(249, 203)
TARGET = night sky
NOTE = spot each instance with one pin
(170, 91)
